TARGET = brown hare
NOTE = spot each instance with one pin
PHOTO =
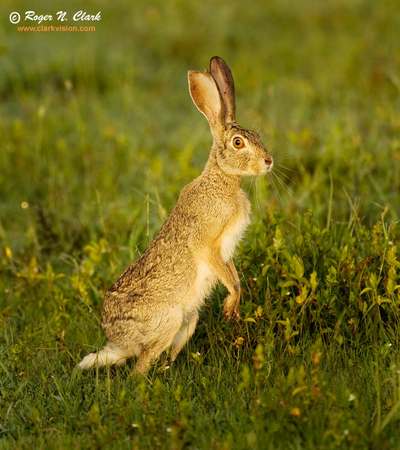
(154, 305)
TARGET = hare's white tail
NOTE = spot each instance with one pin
(109, 355)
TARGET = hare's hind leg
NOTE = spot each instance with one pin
(184, 334)
(160, 341)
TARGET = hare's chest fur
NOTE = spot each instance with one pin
(231, 235)
(236, 227)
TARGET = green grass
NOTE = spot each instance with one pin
(98, 136)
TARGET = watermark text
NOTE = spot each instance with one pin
(33, 21)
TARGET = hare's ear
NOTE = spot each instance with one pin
(224, 79)
(205, 96)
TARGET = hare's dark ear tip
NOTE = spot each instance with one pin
(216, 60)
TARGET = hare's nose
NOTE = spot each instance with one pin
(268, 161)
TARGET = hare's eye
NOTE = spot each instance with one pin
(238, 142)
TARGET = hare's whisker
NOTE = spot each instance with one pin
(282, 185)
(282, 174)
(283, 167)
(254, 188)
(276, 187)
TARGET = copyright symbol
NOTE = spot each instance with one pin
(15, 17)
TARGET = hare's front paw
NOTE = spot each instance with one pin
(231, 307)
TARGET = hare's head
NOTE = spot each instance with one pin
(238, 151)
